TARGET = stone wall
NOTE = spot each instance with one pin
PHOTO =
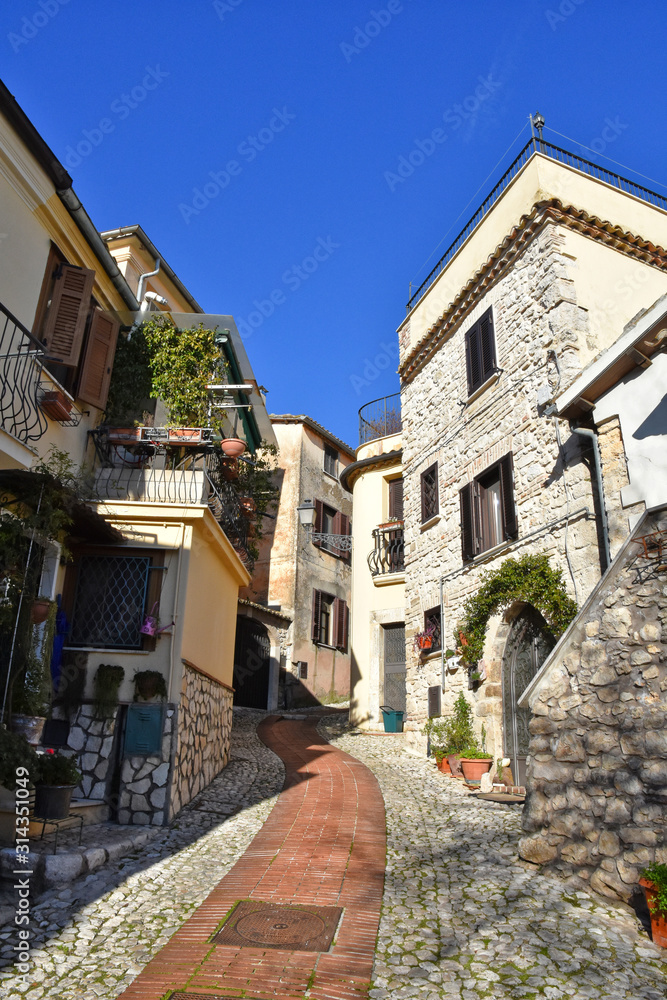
(204, 729)
(144, 781)
(597, 801)
(615, 477)
(535, 312)
(92, 739)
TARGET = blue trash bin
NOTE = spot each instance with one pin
(393, 720)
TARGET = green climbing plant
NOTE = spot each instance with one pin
(530, 579)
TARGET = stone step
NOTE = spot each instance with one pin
(93, 810)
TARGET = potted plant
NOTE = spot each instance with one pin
(149, 684)
(106, 683)
(56, 404)
(654, 883)
(32, 689)
(475, 763)
(15, 753)
(57, 777)
(424, 640)
(39, 610)
(233, 447)
(438, 731)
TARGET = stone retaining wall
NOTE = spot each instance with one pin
(597, 777)
(204, 730)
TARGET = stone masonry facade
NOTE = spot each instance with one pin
(535, 314)
(597, 802)
(204, 732)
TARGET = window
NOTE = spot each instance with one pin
(488, 515)
(331, 461)
(429, 491)
(331, 617)
(331, 522)
(480, 352)
(112, 595)
(395, 499)
(79, 337)
(432, 620)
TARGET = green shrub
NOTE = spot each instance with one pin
(55, 769)
(657, 874)
(15, 752)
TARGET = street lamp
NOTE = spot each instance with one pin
(307, 514)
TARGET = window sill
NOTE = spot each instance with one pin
(387, 579)
(433, 655)
(331, 475)
(491, 553)
(483, 387)
(431, 521)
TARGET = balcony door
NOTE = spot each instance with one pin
(394, 666)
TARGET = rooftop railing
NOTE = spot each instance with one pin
(380, 418)
(531, 148)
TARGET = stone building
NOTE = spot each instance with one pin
(552, 267)
(597, 779)
(307, 583)
(375, 480)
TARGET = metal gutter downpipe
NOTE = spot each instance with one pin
(592, 437)
(143, 279)
(85, 224)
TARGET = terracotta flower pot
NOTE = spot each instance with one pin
(658, 918)
(56, 405)
(424, 641)
(233, 447)
(39, 610)
(474, 767)
(443, 765)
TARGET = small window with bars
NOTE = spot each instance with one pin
(429, 491)
(331, 461)
(432, 620)
(110, 601)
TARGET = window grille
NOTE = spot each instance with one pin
(429, 488)
(110, 601)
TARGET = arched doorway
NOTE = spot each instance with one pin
(528, 645)
(252, 660)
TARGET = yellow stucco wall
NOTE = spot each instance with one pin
(372, 605)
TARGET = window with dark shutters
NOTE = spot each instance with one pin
(333, 522)
(330, 461)
(429, 492)
(98, 359)
(66, 317)
(488, 511)
(396, 499)
(480, 346)
(432, 620)
(319, 518)
(341, 618)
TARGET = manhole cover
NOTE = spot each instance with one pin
(258, 924)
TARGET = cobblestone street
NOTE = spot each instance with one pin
(461, 916)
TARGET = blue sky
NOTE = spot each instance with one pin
(259, 144)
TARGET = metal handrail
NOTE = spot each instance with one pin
(388, 556)
(379, 418)
(532, 147)
(20, 373)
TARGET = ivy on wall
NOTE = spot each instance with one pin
(530, 579)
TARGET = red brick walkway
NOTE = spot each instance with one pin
(322, 845)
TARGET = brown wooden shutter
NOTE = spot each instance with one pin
(341, 619)
(467, 523)
(487, 346)
(337, 529)
(396, 499)
(319, 519)
(317, 613)
(66, 318)
(510, 522)
(473, 359)
(98, 359)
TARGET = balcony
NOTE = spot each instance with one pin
(380, 418)
(387, 556)
(151, 473)
(20, 380)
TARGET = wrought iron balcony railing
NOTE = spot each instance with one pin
(387, 556)
(531, 148)
(192, 481)
(20, 380)
(380, 418)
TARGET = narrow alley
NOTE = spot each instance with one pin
(461, 916)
